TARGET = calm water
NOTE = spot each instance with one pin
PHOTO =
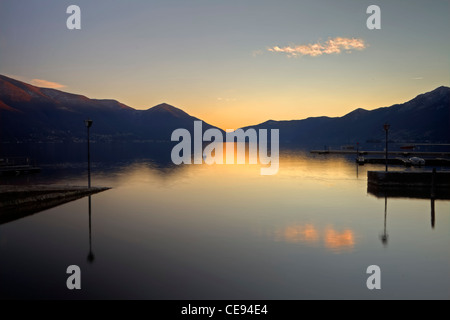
(226, 232)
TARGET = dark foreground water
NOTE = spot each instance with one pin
(224, 232)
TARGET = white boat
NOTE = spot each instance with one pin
(360, 160)
(416, 161)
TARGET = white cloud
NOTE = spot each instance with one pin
(46, 84)
(335, 45)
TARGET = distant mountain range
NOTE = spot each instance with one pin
(29, 113)
(426, 118)
(33, 114)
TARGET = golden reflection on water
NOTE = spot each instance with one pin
(339, 241)
(330, 238)
(324, 170)
(298, 233)
(301, 182)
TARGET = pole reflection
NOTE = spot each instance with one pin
(90, 257)
(432, 213)
(384, 236)
(406, 193)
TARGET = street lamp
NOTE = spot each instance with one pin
(386, 128)
(88, 124)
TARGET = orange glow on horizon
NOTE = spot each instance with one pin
(252, 103)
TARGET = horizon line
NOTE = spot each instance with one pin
(165, 103)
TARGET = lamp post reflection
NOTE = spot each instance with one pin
(90, 257)
(384, 237)
(432, 213)
(88, 124)
(433, 195)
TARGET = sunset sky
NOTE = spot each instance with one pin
(231, 63)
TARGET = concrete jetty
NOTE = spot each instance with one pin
(424, 184)
(441, 159)
(390, 153)
(19, 201)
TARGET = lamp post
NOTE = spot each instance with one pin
(88, 124)
(357, 150)
(386, 128)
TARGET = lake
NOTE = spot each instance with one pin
(222, 231)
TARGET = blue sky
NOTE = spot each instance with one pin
(212, 58)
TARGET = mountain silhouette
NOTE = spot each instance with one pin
(425, 118)
(29, 113)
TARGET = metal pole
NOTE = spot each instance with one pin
(89, 159)
(387, 149)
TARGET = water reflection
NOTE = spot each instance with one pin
(432, 213)
(298, 233)
(67, 161)
(193, 225)
(90, 257)
(339, 241)
(328, 237)
(384, 236)
(401, 194)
